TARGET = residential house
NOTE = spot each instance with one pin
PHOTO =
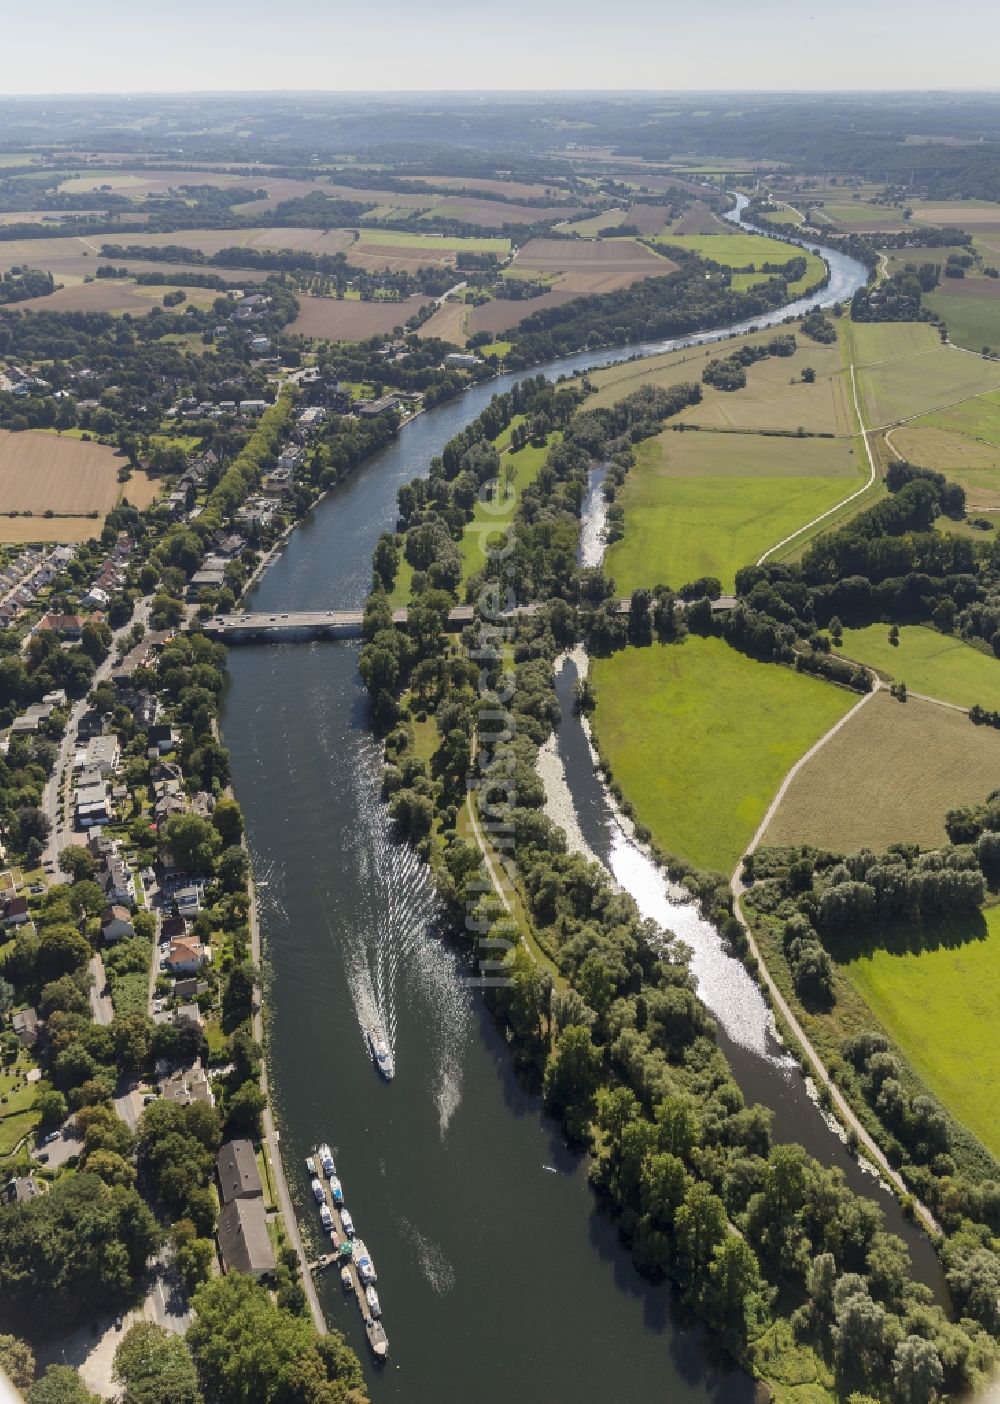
(236, 1167)
(162, 736)
(461, 360)
(104, 754)
(371, 409)
(15, 911)
(25, 1025)
(116, 924)
(188, 1016)
(189, 988)
(20, 1189)
(91, 724)
(173, 928)
(244, 1243)
(67, 626)
(187, 956)
(117, 881)
(211, 576)
(188, 900)
(187, 1086)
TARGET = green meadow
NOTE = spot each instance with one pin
(941, 1005)
(699, 737)
(937, 665)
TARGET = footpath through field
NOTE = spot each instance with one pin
(737, 887)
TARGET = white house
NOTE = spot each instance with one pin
(116, 923)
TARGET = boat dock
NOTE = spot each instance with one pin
(374, 1330)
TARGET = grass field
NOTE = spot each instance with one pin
(350, 319)
(492, 518)
(928, 662)
(775, 396)
(904, 371)
(734, 250)
(396, 239)
(699, 737)
(941, 1005)
(889, 776)
(970, 308)
(707, 503)
(973, 462)
(41, 472)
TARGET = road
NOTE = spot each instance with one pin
(272, 1150)
(57, 796)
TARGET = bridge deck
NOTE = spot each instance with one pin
(347, 624)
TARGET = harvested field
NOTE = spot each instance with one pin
(448, 322)
(648, 219)
(39, 472)
(970, 309)
(973, 215)
(210, 241)
(503, 313)
(590, 226)
(515, 189)
(699, 219)
(490, 214)
(142, 489)
(590, 266)
(888, 776)
(972, 462)
(350, 319)
(769, 401)
(28, 531)
(116, 295)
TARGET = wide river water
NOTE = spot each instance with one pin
(498, 1276)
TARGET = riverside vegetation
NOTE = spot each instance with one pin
(792, 1270)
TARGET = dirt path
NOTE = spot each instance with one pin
(872, 1149)
(844, 501)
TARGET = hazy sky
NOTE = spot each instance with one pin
(56, 46)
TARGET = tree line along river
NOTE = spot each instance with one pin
(499, 1277)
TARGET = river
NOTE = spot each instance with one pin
(498, 1275)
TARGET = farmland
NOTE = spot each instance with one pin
(448, 322)
(970, 461)
(970, 308)
(708, 503)
(775, 397)
(888, 776)
(43, 472)
(904, 371)
(937, 993)
(937, 665)
(350, 319)
(699, 738)
(115, 295)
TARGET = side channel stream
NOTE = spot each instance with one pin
(498, 1276)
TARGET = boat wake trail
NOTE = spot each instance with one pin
(434, 1262)
(389, 950)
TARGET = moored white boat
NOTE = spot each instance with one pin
(346, 1278)
(326, 1160)
(374, 1305)
(318, 1193)
(363, 1262)
(311, 1167)
(348, 1223)
(337, 1190)
(326, 1217)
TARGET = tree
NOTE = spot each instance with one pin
(77, 862)
(701, 1227)
(18, 1362)
(227, 819)
(61, 950)
(51, 1107)
(81, 1247)
(32, 823)
(155, 1367)
(734, 1283)
(572, 1077)
(61, 1385)
(917, 1373)
(245, 1107)
(247, 1348)
(193, 842)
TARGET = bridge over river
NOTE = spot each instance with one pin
(347, 624)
